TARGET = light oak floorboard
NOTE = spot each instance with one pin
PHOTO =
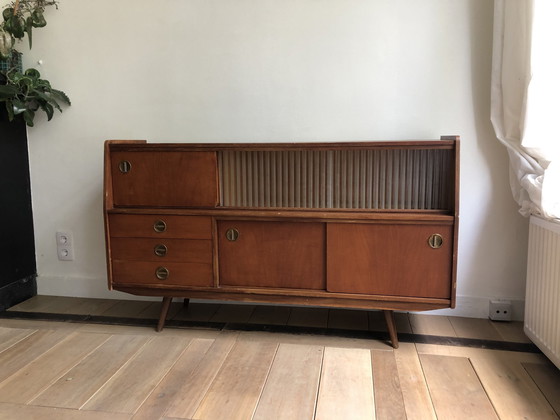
(455, 389)
(233, 313)
(291, 389)
(481, 329)
(389, 403)
(547, 378)
(196, 311)
(85, 306)
(377, 322)
(194, 387)
(348, 319)
(39, 324)
(309, 317)
(27, 350)
(30, 304)
(11, 336)
(511, 389)
(417, 401)
(513, 393)
(127, 308)
(511, 331)
(346, 388)
(431, 325)
(315, 340)
(236, 389)
(29, 381)
(132, 384)
(47, 304)
(172, 387)
(153, 310)
(270, 315)
(29, 412)
(81, 382)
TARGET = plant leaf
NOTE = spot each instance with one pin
(28, 116)
(60, 95)
(10, 110)
(49, 110)
(29, 30)
(7, 91)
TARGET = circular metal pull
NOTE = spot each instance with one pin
(162, 273)
(160, 250)
(232, 234)
(160, 226)
(435, 241)
(124, 166)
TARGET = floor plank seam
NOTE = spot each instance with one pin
(283, 329)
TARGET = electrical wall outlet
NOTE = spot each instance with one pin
(500, 310)
(65, 246)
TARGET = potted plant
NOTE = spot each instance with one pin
(25, 92)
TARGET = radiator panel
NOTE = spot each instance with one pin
(542, 302)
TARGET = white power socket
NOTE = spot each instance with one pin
(65, 246)
(500, 310)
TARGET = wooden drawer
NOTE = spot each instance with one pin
(394, 260)
(162, 250)
(179, 274)
(164, 179)
(160, 226)
(272, 254)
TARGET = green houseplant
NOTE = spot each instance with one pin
(24, 92)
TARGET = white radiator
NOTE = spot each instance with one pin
(542, 302)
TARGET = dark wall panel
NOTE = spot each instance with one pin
(17, 245)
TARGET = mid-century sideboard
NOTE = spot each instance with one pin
(364, 225)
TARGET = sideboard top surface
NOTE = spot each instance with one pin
(143, 145)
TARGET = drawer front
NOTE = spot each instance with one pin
(164, 179)
(394, 260)
(169, 273)
(162, 250)
(160, 226)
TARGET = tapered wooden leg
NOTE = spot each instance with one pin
(186, 303)
(163, 314)
(390, 321)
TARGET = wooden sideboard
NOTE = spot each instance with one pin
(364, 225)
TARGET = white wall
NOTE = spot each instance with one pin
(269, 70)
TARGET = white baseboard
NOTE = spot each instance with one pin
(478, 307)
(467, 306)
(82, 287)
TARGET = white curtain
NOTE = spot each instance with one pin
(525, 108)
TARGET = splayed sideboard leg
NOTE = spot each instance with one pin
(163, 314)
(390, 321)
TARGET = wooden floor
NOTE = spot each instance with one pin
(77, 370)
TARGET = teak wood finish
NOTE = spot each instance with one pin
(363, 225)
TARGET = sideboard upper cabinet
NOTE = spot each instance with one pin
(370, 225)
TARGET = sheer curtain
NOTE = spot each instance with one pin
(525, 103)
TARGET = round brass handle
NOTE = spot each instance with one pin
(232, 234)
(160, 250)
(160, 226)
(125, 166)
(162, 273)
(435, 241)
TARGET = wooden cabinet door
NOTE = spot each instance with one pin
(164, 179)
(272, 254)
(389, 259)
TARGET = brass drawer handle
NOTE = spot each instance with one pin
(125, 166)
(160, 250)
(232, 234)
(162, 273)
(160, 226)
(435, 241)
